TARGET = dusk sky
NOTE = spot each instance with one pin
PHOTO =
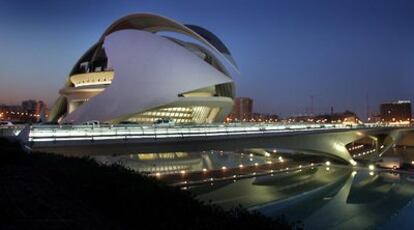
(340, 52)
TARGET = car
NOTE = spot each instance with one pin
(389, 162)
(92, 123)
(6, 123)
(128, 123)
(164, 122)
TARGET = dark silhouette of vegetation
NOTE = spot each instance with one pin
(44, 191)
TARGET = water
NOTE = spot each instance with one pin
(334, 197)
(322, 198)
(174, 162)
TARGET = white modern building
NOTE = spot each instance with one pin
(146, 67)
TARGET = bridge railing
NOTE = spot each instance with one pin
(131, 131)
(101, 132)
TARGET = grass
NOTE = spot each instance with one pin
(43, 191)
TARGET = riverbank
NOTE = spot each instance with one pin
(44, 191)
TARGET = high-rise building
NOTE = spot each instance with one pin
(29, 106)
(399, 111)
(40, 106)
(242, 109)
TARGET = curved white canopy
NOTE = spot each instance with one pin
(149, 71)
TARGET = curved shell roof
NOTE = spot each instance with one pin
(145, 25)
(157, 23)
(131, 54)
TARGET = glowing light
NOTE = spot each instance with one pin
(354, 173)
(182, 172)
(371, 167)
(158, 174)
(371, 173)
(256, 164)
(328, 163)
(241, 166)
(224, 168)
(204, 170)
(353, 163)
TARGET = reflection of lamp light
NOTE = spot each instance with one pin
(328, 163)
(371, 167)
(353, 163)
(280, 159)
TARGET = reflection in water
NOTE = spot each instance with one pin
(156, 162)
(366, 201)
(323, 199)
(174, 162)
(270, 192)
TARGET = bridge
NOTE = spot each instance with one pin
(330, 140)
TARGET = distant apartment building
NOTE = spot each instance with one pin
(29, 106)
(40, 107)
(399, 111)
(242, 109)
(27, 111)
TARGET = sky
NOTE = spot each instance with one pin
(349, 55)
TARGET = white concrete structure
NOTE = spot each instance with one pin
(138, 73)
(325, 140)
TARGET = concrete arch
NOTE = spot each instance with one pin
(157, 23)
